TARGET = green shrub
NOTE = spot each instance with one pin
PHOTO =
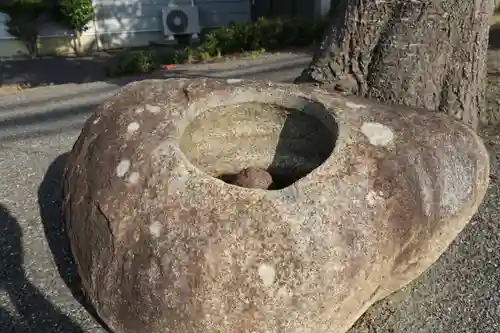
(165, 55)
(205, 56)
(23, 23)
(210, 44)
(134, 62)
(74, 15)
(253, 37)
(264, 33)
(269, 32)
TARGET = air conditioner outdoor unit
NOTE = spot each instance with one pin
(180, 20)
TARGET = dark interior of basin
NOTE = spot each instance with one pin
(288, 143)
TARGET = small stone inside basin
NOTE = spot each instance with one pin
(287, 143)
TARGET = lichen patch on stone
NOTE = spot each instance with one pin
(267, 274)
(354, 105)
(122, 168)
(378, 134)
(132, 127)
(372, 197)
(133, 178)
(152, 108)
(155, 229)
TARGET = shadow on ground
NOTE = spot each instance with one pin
(59, 70)
(53, 70)
(48, 111)
(34, 311)
(494, 37)
(50, 200)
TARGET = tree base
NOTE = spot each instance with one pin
(428, 54)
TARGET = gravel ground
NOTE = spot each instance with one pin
(33, 255)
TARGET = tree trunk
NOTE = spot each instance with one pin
(424, 53)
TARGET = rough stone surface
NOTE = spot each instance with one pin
(369, 197)
(253, 178)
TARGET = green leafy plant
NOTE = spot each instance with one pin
(189, 54)
(205, 56)
(75, 15)
(253, 38)
(134, 62)
(165, 55)
(24, 21)
(210, 44)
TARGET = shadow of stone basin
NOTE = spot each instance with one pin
(363, 199)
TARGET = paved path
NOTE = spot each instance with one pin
(461, 293)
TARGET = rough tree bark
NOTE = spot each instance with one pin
(424, 53)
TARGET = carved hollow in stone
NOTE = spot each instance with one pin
(364, 198)
(288, 142)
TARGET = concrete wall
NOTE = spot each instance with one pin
(47, 46)
(124, 23)
(54, 39)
